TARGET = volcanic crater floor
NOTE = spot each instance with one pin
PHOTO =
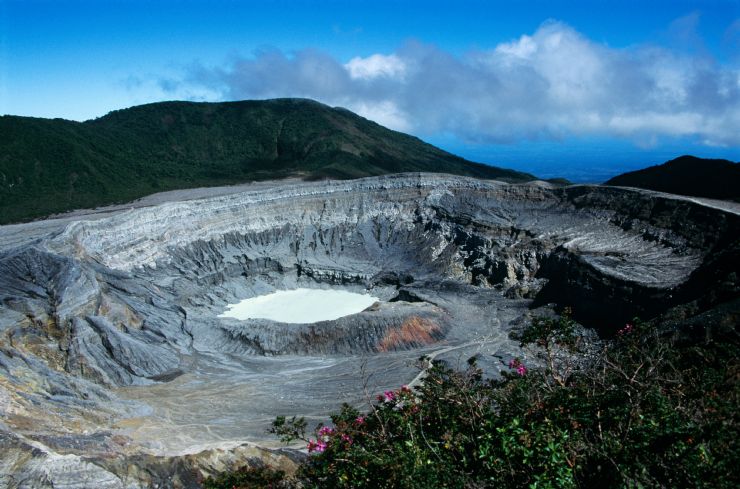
(219, 399)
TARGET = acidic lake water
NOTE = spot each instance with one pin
(300, 305)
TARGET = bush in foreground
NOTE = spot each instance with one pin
(249, 477)
(642, 413)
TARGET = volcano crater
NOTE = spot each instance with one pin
(112, 340)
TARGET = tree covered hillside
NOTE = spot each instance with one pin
(55, 165)
(687, 175)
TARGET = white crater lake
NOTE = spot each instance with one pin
(300, 305)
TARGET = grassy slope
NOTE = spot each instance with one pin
(49, 166)
(687, 175)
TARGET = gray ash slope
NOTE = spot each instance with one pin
(114, 367)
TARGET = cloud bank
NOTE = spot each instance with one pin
(553, 84)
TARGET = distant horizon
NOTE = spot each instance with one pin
(579, 89)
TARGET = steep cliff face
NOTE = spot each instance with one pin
(108, 324)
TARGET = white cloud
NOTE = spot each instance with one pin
(523, 48)
(678, 124)
(551, 84)
(385, 113)
(377, 65)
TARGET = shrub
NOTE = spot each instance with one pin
(249, 478)
(644, 412)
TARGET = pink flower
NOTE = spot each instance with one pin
(346, 438)
(626, 330)
(389, 396)
(517, 364)
(325, 431)
(405, 388)
(316, 446)
(360, 420)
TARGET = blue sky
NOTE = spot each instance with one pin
(574, 88)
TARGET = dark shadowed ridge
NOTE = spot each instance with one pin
(54, 165)
(687, 175)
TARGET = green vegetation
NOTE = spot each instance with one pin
(646, 411)
(260, 476)
(687, 175)
(49, 166)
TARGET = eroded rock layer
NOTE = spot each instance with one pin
(114, 366)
